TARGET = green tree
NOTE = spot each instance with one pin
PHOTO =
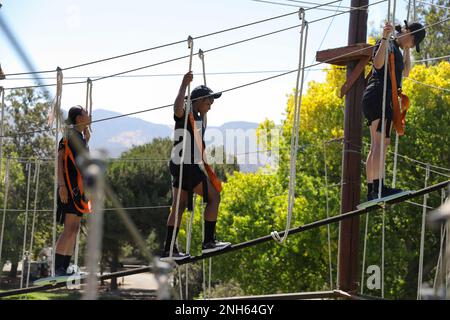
(26, 110)
(436, 42)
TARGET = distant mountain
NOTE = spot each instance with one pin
(119, 135)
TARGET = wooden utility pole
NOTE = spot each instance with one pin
(351, 162)
(355, 56)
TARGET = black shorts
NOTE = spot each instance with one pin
(66, 208)
(192, 176)
(372, 105)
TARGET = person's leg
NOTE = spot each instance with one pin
(373, 158)
(66, 241)
(171, 218)
(210, 215)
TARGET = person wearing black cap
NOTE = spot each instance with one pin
(194, 179)
(72, 202)
(407, 37)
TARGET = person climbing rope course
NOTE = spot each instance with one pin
(72, 201)
(193, 179)
(372, 103)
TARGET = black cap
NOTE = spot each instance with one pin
(417, 31)
(202, 91)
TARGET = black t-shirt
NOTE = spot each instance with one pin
(194, 156)
(377, 78)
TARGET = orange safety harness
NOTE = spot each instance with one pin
(399, 111)
(215, 181)
(75, 184)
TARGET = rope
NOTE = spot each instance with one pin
(89, 99)
(422, 237)
(428, 85)
(408, 10)
(231, 89)
(35, 180)
(158, 47)
(28, 169)
(295, 127)
(328, 215)
(319, 223)
(57, 110)
(189, 223)
(186, 113)
(383, 114)
(441, 250)
(2, 117)
(363, 271)
(434, 5)
(292, 5)
(217, 48)
(382, 250)
(205, 120)
(5, 204)
(431, 59)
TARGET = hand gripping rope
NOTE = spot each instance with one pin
(186, 112)
(296, 125)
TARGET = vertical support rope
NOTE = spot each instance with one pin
(5, 204)
(25, 227)
(77, 252)
(422, 235)
(363, 271)
(190, 41)
(59, 86)
(328, 214)
(95, 229)
(89, 99)
(382, 251)
(36, 181)
(383, 115)
(394, 170)
(2, 116)
(295, 127)
(408, 10)
(414, 10)
(201, 55)
(190, 222)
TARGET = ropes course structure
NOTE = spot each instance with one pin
(95, 168)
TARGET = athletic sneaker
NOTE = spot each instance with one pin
(214, 245)
(372, 195)
(61, 272)
(176, 255)
(386, 191)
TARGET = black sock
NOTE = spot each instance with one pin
(67, 261)
(376, 184)
(210, 229)
(59, 261)
(369, 187)
(169, 237)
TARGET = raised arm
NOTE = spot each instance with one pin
(378, 60)
(178, 106)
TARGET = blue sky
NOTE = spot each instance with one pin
(66, 33)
